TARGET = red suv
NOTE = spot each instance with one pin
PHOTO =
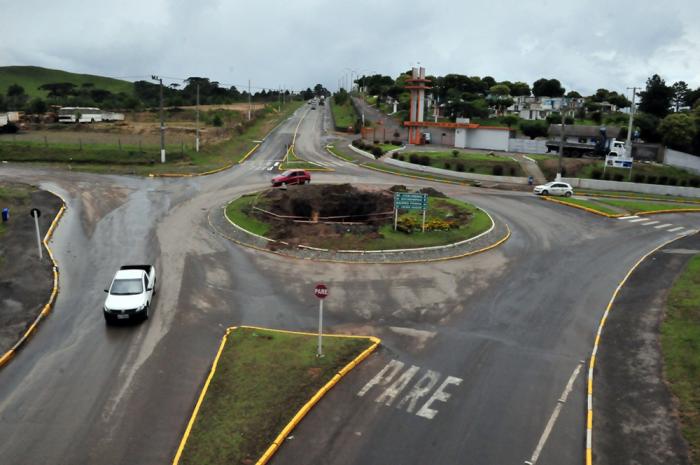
(291, 177)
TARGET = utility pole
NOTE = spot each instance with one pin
(196, 141)
(279, 97)
(249, 104)
(162, 124)
(561, 141)
(628, 142)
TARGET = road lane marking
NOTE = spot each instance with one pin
(555, 414)
(650, 223)
(676, 229)
(628, 217)
(638, 220)
(440, 394)
(662, 226)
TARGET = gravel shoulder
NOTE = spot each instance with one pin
(635, 419)
(25, 281)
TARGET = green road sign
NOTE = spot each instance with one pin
(410, 201)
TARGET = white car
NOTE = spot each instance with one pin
(130, 294)
(555, 188)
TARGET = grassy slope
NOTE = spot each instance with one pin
(263, 378)
(593, 205)
(680, 342)
(344, 115)
(237, 211)
(31, 77)
(481, 163)
(637, 206)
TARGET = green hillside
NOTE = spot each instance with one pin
(31, 77)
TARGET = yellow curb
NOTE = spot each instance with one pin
(46, 309)
(631, 197)
(444, 181)
(592, 360)
(339, 157)
(302, 411)
(678, 210)
(205, 173)
(581, 207)
(348, 262)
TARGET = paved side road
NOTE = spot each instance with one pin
(634, 416)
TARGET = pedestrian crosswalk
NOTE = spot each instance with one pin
(656, 224)
(271, 165)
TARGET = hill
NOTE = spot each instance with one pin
(31, 77)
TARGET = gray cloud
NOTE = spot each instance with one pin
(586, 45)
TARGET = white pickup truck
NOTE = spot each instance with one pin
(130, 294)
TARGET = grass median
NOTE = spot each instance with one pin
(480, 163)
(617, 206)
(262, 379)
(680, 342)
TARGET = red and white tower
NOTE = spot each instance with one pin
(417, 86)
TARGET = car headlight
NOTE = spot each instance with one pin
(141, 307)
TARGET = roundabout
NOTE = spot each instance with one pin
(357, 224)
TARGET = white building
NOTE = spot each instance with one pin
(533, 108)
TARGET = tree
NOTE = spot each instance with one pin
(37, 106)
(619, 100)
(680, 94)
(693, 97)
(678, 131)
(656, 99)
(500, 90)
(547, 88)
(59, 89)
(573, 94)
(534, 128)
(341, 97)
(307, 94)
(510, 120)
(488, 81)
(519, 88)
(16, 98)
(15, 90)
(648, 126)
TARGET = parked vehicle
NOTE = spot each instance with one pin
(292, 177)
(554, 188)
(79, 115)
(130, 294)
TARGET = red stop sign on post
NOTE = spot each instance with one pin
(321, 291)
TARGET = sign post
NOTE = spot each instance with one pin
(320, 291)
(410, 201)
(36, 213)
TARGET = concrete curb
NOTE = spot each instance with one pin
(490, 246)
(7, 356)
(596, 344)
(267, 455)
(631, 197)
(581, 207)
(206, 173)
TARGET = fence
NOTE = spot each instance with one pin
(682, 160)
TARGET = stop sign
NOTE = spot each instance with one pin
(321, 291)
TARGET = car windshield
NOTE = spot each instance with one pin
(287, 173)
(126, 287)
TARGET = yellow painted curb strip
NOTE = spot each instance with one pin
(206, 173)
(581, 207)
(678, 210)
(444, 181)
(304, 409)
(46, 309)
(591, 363)
(631, 197)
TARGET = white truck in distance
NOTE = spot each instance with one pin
(130, 294)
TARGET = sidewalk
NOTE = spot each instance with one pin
(634, 419)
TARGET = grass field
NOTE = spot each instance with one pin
(680, 342)
(639, 206)
(239, 211)
(108, 157)
(340, 154)
(481, 163)
(13, 197)
(262, 379)
(31, 77)
(589, 204)
(638, 195)
(344, 115)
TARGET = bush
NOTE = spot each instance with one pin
(424, 160)
(460, 167)
(471, 169)
(651, 179)
(408, 224)
(618, 177)
(394, 155)
(497, 170)
(597, 174)
(534, 128)
(436, 224)
(398, 188)
(217, 121)
(606, 176)
(396, 143)
(376, 141)
(663, 180)
(672, 181)
(377, 152)
(413, 158)
(639, 178)
(455, 153)
(401, 157)
(694, 182)
(447, 165)
(683, 182)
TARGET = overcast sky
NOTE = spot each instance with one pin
(584, 44)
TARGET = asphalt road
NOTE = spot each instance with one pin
(509, 326)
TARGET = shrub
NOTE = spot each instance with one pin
(651, 179)
(606, 176)
(396, 134)
(512, 170)
(217, 121)
(377, 152)
(597, 174)
(376, 141)
(396, 142)
(683, 182)
(447, 165)
(672, 181)
(694, 182)
(563, 171)
(663, 180)
(424, 160)
(436, 224)
(639, 178)
(407, 224)
(413, 158)
(460, 167)
(497, 170)
(398, 188)
(455, 153)
(401, 157)
(394, 155)
(471, 169)
(618, 177)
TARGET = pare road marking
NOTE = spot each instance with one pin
(393, 387)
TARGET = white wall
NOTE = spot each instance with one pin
(456, 174)
(488, 139)
(633, 187)
(682, 160)
(527, 145)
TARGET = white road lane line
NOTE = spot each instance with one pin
(680, 228)
(650, 223)
(628, 217)
(638, 220)
(554, 416)
(662, 226)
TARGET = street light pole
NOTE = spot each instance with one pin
(628, 142)
(162, 124)
(561, 142)
(196, 141)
